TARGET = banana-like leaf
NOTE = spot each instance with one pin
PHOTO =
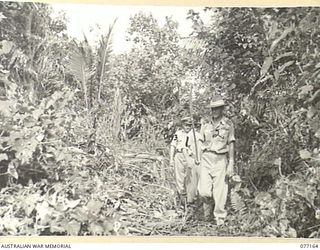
(282, 68)
(266, 65)
(284, 55)
(6, 47)
(195, 44)
(280, 38)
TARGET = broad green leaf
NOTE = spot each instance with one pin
(73, 203)
(282, 193)
(3, 210)
(12, 171)
(311, 194)
(61, 206)
(79, 214)
(116, 226)
(276, 75)
(5, 108)
(11, 224)
(94, 206)
(305, 154)
(157, 214)
(317, 214)
(268, 213)
(277, 162)
(54, 98)
(75, 150)
(2, 16)
(266, 65)
(56, 229)
(263, 199)
(171, 213)
(306, 191)
(43, 212)
(96, 228)
(117, 205)
(3, 157)
(5, 46)
(283, 224)
(284, 55)
(40, 137)
(284, 66)
(292, 233)
(273, 30)
(28, 207)
(282, 36)
(25, 149)
(108, 225)
(317, 133)
(73, 227)
(37, 113)
(304, 90)
(311, 112)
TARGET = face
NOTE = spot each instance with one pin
(217, 112)
(186, 127)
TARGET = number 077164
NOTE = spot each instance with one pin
(308, 245)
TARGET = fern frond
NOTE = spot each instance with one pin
(237, 202)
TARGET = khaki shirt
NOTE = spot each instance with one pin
(217, 137)
(183, 140)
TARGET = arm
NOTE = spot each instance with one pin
(200, 146)
(231, 153)
(230, 168)
(202, 137)
(172, 152)
(173, 146)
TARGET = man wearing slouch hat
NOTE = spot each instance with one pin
(217, 161)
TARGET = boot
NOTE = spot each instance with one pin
(219, 221)
(207, 209)
(181, 201)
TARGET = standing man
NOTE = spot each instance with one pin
(217, 161)
(183, 159)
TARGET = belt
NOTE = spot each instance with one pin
(180, 150)
(214, 152)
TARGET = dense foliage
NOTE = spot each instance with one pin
(266, 63)
(84, 132)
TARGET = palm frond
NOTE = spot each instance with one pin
(79, 68)
(104, 53)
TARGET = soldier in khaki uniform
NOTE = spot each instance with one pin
(217, 161)
(183, 159)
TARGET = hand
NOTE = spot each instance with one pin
(190, 162)
(230, 171)
(197, 162)
(171, 163)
